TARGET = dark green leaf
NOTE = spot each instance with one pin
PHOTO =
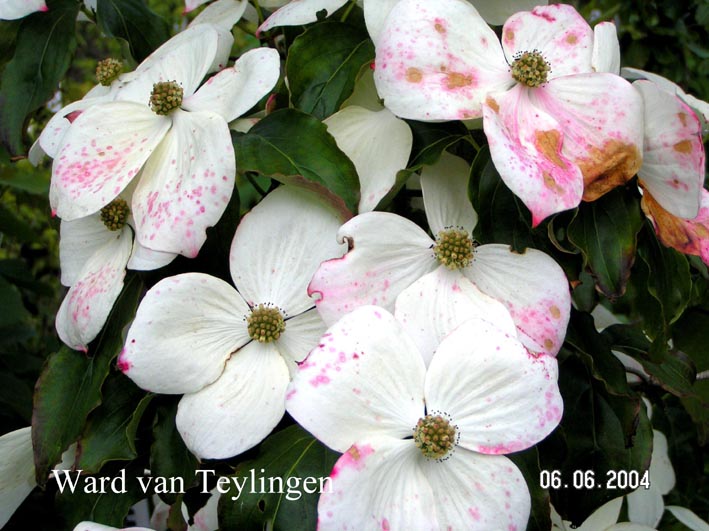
(69, 387)
(323, 64)
(593, 436)
(111, 427)
(671, 370)
(291, 453)
(431, 139)
(109, 508)
(502, 218)
(697, 405)
(132, 21)
(45, 45)
(689, 334)
(668, 283)
(606, 232)
(295, 148)
(169, 457)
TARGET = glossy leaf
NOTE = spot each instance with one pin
(111, 428)
(169, 457)
(323, 64)
(295, 148)
(431, 139)
(44, 47)
(290, 453)
(132, 21)
(606, 233)
(69, 387)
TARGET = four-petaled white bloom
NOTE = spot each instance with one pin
(555, 133)
(389, 253)
(228, 351)
(423, 447)
(171, 136)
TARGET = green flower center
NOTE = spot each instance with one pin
(115, 214)
(165, 97)
(108, 70)
(530, 69)
(454, 248)
(434, 436)
(265, 324)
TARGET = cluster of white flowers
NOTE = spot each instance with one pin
(423, 358)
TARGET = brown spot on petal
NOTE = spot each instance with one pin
(555, 312)
(673, 231)
(685, 146)
(548, 344)
(549, 145)
(414, 75)
(354, 453)
(682, 118)
(439, 28)
(457, 80)
(509, 35)
(492, 104)
(572, 39)
(612, 165)
(550, 183)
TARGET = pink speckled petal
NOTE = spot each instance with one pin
(562, 36)
(501, 398)
(445, 194)
(673, 156)
(378, 143)
(233, 91)
(88, 302)
(533, 288)
(238, 410)
(185, 185)
(378, 484)
(366, 362)
(78, 241)
(606, 48)
(185, 329)
(14, 9)
(388, 253)
(438, 61)
(689, 236)
(279, 245)
(101, 153)
(526, 147)
(144, 259)
(302, 334)
(478, 492)
(53, 133)
(298, 12)
(191, 5)
(16, 471)
(496, 12)
(601, 117)
(375, 13)
(438, 302)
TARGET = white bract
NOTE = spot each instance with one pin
(229, 351)
(173, 138)
(16, 471)
(388, 253)
(555, 135)
(14, 9)
(377, 142)
(605, 518)
(94, 253)
(365, 391)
